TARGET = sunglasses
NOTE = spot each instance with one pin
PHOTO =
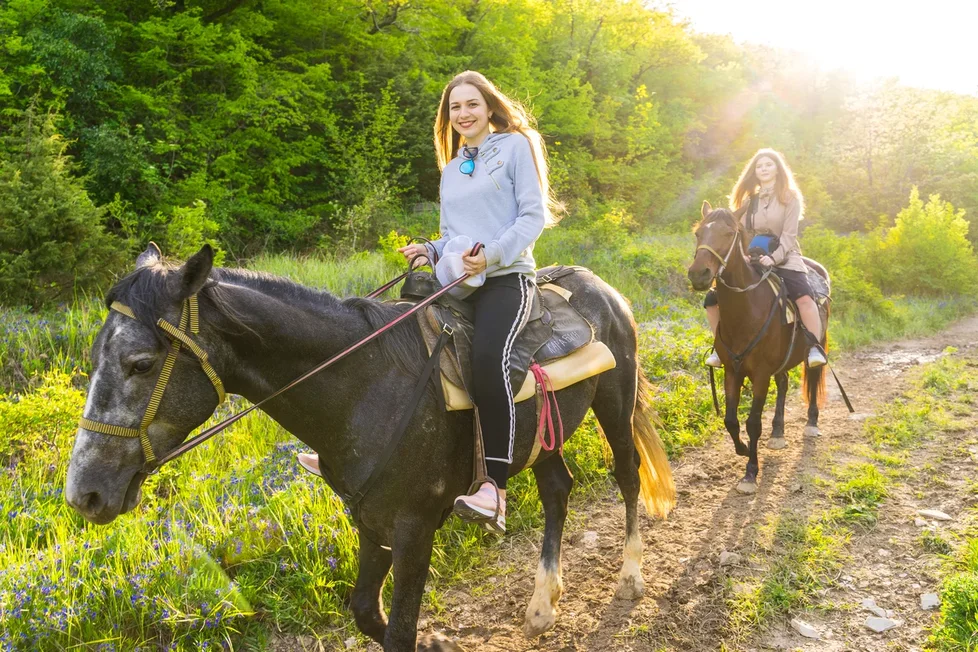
(468, 165)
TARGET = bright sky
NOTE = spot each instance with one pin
(932, 44)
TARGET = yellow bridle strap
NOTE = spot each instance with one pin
(189, 321)
(712, 251)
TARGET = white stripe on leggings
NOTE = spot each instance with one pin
(526, 297)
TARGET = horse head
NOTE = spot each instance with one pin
(716, 237)
(121, 433)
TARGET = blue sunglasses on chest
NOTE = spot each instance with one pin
(468, 165)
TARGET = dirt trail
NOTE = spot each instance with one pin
(684, 607)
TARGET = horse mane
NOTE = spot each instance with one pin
(720, 215)
(148, 293)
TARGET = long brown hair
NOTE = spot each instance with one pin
(785, 187)
(508, 116)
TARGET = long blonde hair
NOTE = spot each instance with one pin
(508, 116)
(785, 187)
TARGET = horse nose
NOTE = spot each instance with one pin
(698, 277)
(89, 505)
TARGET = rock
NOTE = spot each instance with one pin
(935, 514)
(589, 539)
(883, 553)
(700, 474)
(804, 628)
(861, 416)
(729, 558)
(795, 488)
(919, 522)
(929, 601)
(870, 603)
(350, 643)
(878, 624)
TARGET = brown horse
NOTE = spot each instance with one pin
(752, 341)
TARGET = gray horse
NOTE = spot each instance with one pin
(260, 332)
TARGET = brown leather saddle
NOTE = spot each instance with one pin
(554, 328)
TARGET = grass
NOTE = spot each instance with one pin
(232, 543)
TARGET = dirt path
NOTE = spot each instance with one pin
(685, 605)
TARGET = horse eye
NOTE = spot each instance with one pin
(142, 366)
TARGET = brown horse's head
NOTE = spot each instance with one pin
(715, 236)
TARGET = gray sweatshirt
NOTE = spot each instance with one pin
(500, 205)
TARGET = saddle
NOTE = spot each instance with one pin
(556, 336)
(818, 279)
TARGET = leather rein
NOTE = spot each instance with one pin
(181, 336)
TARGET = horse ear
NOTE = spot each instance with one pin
(707, 209)
(151, 256)
(194, 273)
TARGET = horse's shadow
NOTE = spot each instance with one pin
(729, 529)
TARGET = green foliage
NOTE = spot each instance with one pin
(52, 240)
(927, 251)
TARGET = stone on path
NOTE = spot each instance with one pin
(935, 514)
(350, 643)
(804, 628)
(700, 474)
(729, 558)
(589, 539)
(919, 522)
(861, 416)
(870, 603)
(879, 625)
(929, 601)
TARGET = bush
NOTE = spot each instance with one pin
(927, 251)
(52, 241)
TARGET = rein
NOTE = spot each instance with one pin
(725, 259)
(189, 325)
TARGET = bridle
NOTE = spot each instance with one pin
(726, 259)
(181, 336)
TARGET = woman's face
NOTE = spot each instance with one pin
(468, 113)
(766, 169)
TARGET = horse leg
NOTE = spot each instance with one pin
(554, 482)
(366, 602)
(749, 484)
(776, 440)
(411, 551)
(813, 384)
(614, 410)
(731, 390)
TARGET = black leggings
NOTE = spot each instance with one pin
(502, 306)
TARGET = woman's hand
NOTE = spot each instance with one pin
(415, 251)
(767, 261)
(475, 264)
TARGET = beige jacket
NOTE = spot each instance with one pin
(781, 219)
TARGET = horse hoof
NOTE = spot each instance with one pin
(776, 443)
(630, 588)
(812, 431)
(438, 643)
(538, 621)
(743, 451)
(747, 487)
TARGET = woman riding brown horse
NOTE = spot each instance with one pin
(751, 339)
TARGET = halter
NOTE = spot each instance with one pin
(181, 336)
(725, 259)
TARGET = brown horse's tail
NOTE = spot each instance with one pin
(658, 491)
(813, 380)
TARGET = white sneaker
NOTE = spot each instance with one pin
(481, 507)
(713, 361)
(310, 463)
(815, 358)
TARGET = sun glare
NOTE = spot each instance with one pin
(924, 44)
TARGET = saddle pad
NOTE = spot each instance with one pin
(584, 363)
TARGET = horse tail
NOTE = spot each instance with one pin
(813, 380)
(658, 491)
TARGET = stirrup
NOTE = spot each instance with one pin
(493, 520)
(713, 361)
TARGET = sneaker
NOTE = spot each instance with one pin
(815, 358)
(310, 462)
(713, 361)
(481, 507)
